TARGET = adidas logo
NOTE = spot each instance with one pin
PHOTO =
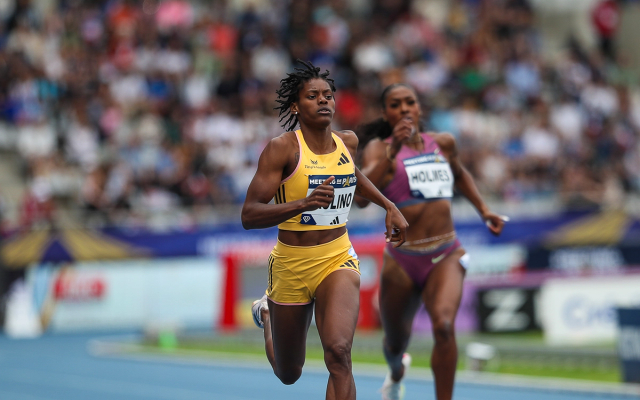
(335, 221)
(343, 159)
(350, 264)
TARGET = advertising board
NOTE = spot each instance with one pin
(578, 311)
(508, 309)
(179, 292)
(629, 343)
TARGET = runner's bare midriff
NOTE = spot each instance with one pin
(427, 220)
(310, 238)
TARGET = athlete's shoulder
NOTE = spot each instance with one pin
(279, 150)
(284, 141)
(376, 142)
(348, 137)
(445, 140)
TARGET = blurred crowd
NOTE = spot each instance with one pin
(128, 108)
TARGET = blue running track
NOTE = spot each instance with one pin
(60, 367)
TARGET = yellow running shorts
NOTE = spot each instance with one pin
(295, 272)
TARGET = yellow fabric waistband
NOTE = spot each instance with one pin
(325, 250)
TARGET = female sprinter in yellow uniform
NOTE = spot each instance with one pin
(312, 178)
(418, 172)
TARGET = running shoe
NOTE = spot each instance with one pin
(256, 310)
(395, 390)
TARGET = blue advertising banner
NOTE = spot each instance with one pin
(594, 242)
(577, 259)
(629, 343)
(542, 236)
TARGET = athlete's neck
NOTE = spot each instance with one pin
(415, 142)
(319, 140)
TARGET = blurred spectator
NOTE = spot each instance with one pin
(36, 139)
(539, 140)
(373, 54)
(606, 19)
(122, 108)
(37, 206)
(3, 223)
(568, 119)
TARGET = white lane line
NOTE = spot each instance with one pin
(554, 384)
(133, 351)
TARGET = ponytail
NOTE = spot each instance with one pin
(377, 129)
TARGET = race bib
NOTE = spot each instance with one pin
(430, 176)
(344, 187)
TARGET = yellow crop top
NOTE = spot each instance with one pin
(312, 170)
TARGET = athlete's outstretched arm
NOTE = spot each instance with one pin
(375, 163)
(396, 224)
(257, 212)
(465, 184)
(394, 221)
(375, 166)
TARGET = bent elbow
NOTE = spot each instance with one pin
(361, 202)
(246, 221)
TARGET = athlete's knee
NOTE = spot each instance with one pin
(289, 376)
(443, 327)
(337, 357)
(393, 348)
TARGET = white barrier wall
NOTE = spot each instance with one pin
(495, 259)
(181, 292)
(580, 311)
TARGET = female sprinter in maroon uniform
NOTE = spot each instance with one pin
(311, 176)
(418, 172)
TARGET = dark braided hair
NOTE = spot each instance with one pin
(378, 128)
(290, 89)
